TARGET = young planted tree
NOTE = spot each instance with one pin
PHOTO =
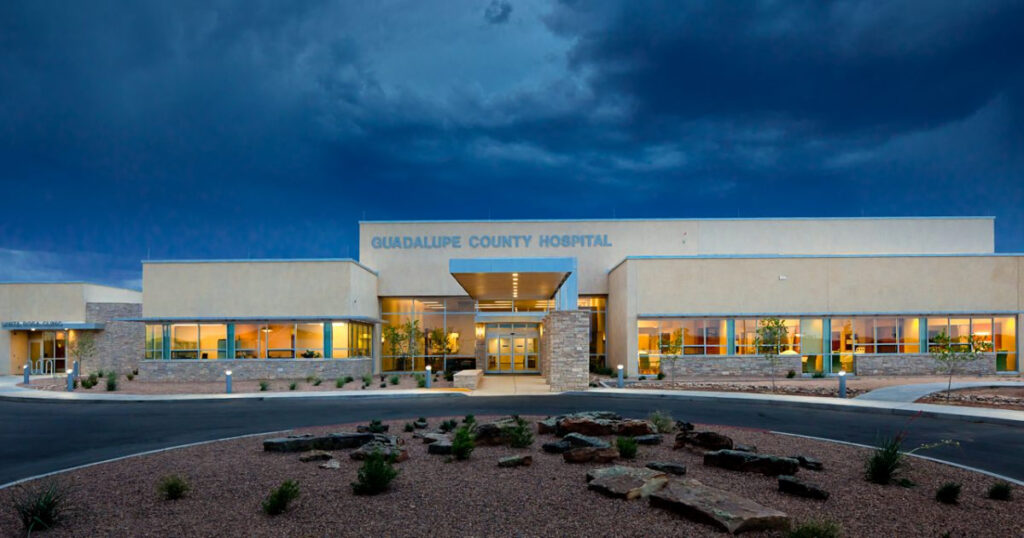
(673, 350)
(950, 353)
(82, 348)
(403, 341)
(771, 335)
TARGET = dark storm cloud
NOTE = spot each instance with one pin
(498, 12)
(256, 128)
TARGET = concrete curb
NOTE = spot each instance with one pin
(967, 414)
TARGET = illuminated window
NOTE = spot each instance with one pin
(154, 341)
(213, 341)
(247, 341)
(309, 340)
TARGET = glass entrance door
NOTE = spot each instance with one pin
(512, 348)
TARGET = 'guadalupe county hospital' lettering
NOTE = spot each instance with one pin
(489, 241)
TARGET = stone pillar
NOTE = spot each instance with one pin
(565, 350)
(121, 344)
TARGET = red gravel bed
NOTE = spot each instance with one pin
(993, 397)
(476, 498)
(139, 386)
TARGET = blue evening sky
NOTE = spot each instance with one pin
(256, 128)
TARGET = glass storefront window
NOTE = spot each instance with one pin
(812, 346)
(184, 341)
(154, 341)
(309, 340)
(213, 341)
(247, 341)
(280, 340)
(1004, 343)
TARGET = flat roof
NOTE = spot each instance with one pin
(262, 260)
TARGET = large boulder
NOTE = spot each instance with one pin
(794, 486)
(493, 433)
(585, 426)
(707, 440)
(576, 439)
(809, 463)
(722, 509)
(388, 445)
(442, 447)
(586, 454)
(633, 427)
(342, 440)
(677, 469)
(292, 443)
(556, 447)
(550, 425)
(750, 462)
(431, 437)
(626, 482)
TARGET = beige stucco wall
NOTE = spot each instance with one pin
(736, 286)
(64, 302)
(425, 271)
(247, 289)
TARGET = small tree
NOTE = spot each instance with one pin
(771, 335)
(671, 351)
(950, 353)
(82, 348)
(403, 341)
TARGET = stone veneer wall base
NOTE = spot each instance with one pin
(866, 365)
(120, 344)
(565, 350)
(190, 370)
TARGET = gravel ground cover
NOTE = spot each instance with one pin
(994, 397)
(476, 498)
(139, 386)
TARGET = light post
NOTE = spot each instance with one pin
(227, 378)
(621, 382)
(25, 373)
(428, 375)
(842, 384)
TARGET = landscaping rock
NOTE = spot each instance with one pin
(704, 439)
(626, 482)
(292, 443)
(722, 509)
(585, 426)
(342, 440)
(557, 447)
(441, 447)
(363, 428)
(331, 464)
(650, 439)
(809, 463)
(633, 427)
(684, 426)
(584, 454)
(316, 455)
(431, 437)
(794, 486)
(745, 448)
(516, 461)
(420, 424)
(386, 444)
(677, 469)
(548, 425)
(493, 433)
(749, 462)
(577, 440)
(551, 424)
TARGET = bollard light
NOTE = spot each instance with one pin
(428, 375)
(227, 377)
(621, 382)
(842, 384)
(75, 370)
(26, 372)
(71, 380)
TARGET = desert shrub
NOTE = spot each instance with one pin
(449, 375)
(264, 386)
(791, 374)
(626, 446)
(469, 419)
(374, 475)
(601, 370)
(448, 425)
(463, 443)
(948, 493)
(376, 426)
(367, 380)
(421, 380)
(74, 382)
(99, 373)
(317, 381)
(662, 421)
(339, 383)
(409, 427)
(310, 378)
(349, 379)
(280, 497)
(172, 487)
(383, 385)
(885, 462)
(661, 375)
(520, 435)
(292, 385)
(816, 529)
(421, 419)
(111, 382)
(1000, 491)
(129, 376)
(94, 378)
(818, 375)
(393, 380)
(41, 508)
(135, 371)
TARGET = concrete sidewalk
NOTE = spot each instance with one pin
(912, 393)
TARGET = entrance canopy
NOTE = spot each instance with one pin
(518, 278)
